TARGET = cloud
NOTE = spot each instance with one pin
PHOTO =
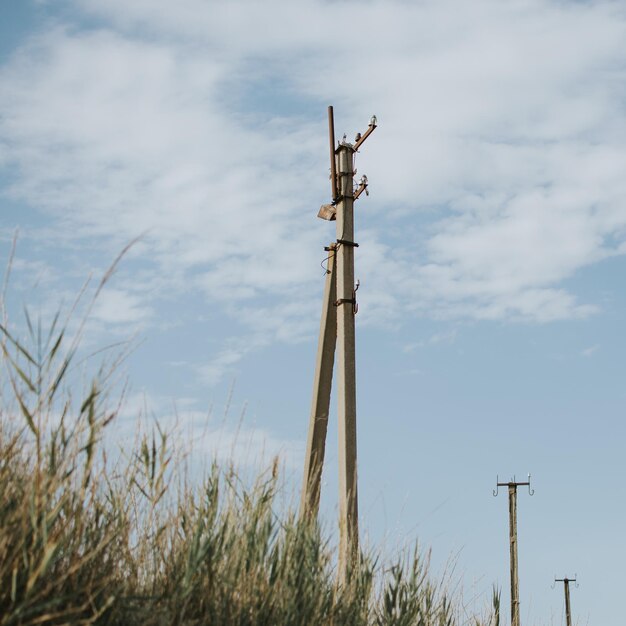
(587, 352)
(251, 447)
(496, 173)
(446, 337)
(116, 306)
(224, 362)
(199, 435)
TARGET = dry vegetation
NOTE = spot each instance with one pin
(89, 540)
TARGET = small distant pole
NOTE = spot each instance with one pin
(568, 612)
(513, 485)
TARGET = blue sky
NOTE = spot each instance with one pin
(491, 258)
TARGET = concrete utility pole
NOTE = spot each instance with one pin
(346, 387)
(512, 485)
(337, 330)
(568, 612)
(322, 383)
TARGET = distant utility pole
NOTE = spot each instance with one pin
(566, 581)
(512, 485)
(337, 331)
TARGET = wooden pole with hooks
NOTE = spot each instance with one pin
(568, 611)
(512, 486)
(515, 621)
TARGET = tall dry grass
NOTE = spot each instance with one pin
(88, 539)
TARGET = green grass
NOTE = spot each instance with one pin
(87, 539)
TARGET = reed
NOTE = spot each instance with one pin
(88, 539)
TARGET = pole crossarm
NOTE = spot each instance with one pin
(511, 483)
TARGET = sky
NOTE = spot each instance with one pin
(491, 261)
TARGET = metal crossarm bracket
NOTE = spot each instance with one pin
(345, 301)
(352, 300)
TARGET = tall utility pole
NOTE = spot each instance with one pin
(513, 485)
(337, 331)
(568, 612)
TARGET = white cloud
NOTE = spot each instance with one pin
(201, 437)
(116, 306)
(251, 447)
(496, 173)
(446, 337)
(587, 352)
(223, 362)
